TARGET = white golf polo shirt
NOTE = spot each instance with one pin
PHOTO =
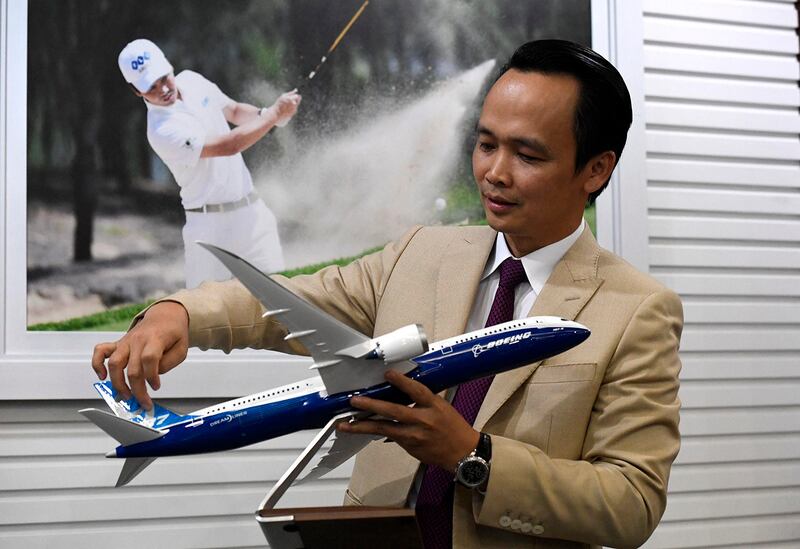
(177, 134)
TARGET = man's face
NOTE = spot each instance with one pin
(163, 92)
(524, 159)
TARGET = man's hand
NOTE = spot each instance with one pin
(285, 107)
(157, 344)
(432, 430)
(253, 127)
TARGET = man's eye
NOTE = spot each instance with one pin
(485, 147)
(528, 158)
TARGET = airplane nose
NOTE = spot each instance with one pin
(581, 334)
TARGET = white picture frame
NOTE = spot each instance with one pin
(56, 365)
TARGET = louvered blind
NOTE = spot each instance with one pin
(723, 189)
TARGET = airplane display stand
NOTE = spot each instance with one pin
(332, 527)
(340, 527)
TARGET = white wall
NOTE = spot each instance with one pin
(56, 490)
(723, 203)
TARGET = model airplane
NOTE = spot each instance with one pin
(348, 362)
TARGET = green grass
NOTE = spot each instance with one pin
(112, 320)
(117, 320)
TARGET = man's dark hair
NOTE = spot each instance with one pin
(603, 114)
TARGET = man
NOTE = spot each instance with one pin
(187, 127)
(579, 446)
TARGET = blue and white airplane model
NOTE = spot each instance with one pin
(348, 363)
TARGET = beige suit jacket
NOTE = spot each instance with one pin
(582, 442)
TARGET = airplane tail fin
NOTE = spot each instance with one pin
(130, 409)
(126, 432)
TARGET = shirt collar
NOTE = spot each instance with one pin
(538, 264)
(163, 108)
(159, 108)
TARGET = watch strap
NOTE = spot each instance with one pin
(484, 448)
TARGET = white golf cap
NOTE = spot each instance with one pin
(142, 63)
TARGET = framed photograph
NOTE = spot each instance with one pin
(381, 140)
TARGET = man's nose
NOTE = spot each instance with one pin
(164, 89)
(499, 172)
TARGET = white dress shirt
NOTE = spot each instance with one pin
(538, 266)
(177, 134)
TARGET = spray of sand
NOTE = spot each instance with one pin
(341, 194)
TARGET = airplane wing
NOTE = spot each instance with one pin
(322, 334)
(353, 442)
(345, 446)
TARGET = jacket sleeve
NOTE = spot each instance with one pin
(615, 495)
(226, 316)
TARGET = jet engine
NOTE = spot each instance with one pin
(401, 344)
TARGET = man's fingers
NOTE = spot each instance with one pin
(136, 378)
(101, 352)
(390, 410)
(173, 356)
(151, 359)
(416, 390)
(117, 362)
(388, 429)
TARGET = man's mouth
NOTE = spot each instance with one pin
(498, 204)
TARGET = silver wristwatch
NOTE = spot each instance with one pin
(473, 470)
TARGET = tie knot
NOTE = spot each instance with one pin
(512, 273)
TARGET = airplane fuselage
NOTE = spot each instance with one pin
(305, 404)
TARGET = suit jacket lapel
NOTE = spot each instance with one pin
(460, 272)
(570, 286)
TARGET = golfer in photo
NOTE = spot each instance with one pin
(189, 127)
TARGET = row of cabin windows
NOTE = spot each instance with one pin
(222, 408)
(487, 333)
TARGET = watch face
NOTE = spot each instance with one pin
(473, 472)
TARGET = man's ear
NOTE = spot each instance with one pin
(598, 170)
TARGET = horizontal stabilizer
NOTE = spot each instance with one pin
(131, 468)
(126, 432)
(130, 409)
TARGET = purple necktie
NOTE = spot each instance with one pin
(435, 498)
